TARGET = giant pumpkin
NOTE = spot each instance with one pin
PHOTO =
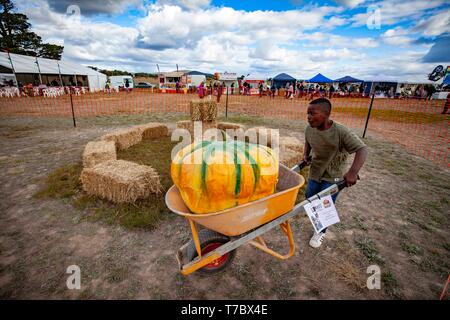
(218, 175)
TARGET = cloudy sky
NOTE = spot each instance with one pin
(388, 39)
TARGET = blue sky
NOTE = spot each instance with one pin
(369, 39)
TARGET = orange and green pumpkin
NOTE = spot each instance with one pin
(218, 175)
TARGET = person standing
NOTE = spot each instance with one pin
(127, 85)
(331, 91)
(330, 144)
(201, 90)
(220, 91)
(108, 87)
(446, 105)
(261, 88)
(291, 91)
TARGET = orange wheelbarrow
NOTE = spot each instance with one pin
(213, 248)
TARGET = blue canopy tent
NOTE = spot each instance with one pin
(446, 80)
(282, 79)
(198, 73)
(347, 79)
(320, 78)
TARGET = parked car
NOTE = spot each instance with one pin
(144, 85)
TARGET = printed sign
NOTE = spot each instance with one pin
(322, 213)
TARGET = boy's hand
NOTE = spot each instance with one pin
(350, 178)
(307, 159)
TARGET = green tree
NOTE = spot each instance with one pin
(16, 37)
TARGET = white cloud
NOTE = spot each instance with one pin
(185, 4)
(435, 25)
(172, 27)
(319, 39)
(350, 3)
(202, 37)
(397, 37)
(394, 11)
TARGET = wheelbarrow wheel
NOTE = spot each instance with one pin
(209, 241)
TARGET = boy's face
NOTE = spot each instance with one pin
(317, 116)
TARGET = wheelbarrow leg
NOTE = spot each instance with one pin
(260, 243)
(195, 238)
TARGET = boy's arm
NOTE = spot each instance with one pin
(352, 175)
(307, 151)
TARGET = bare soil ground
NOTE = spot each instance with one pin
(396, 217)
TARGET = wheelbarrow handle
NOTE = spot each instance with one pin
(301, 165)
(343, 184)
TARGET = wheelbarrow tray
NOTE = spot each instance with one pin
(241, 219)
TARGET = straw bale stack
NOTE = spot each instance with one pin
(189, 125)
(97, 152)
(121, 181)
(154, 130)
(291, 151)
(125, 138)
(263, 134)
(228, 125)
(203, 110)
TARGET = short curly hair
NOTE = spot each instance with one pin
(323, 102)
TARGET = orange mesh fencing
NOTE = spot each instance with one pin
(415, 124)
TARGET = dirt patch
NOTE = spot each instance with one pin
(397, 213)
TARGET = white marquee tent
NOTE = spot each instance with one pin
(31, 69)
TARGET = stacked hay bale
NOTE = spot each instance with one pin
(204, 111)
(125, 138)
(97, 152)
(154, 130)
(291, 151)
(264, 136)
(121, 181)
(229, 126)
(118, 180)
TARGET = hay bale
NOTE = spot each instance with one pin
(190, 125)
(262, 134)
(291, 143)
(291, 151)
(184, 124)
(203, 110)
(121, 181)
(97, 152)
(125, 138)
(290, 157)
(228, 125)
(154, 130)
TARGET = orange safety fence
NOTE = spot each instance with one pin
(415, 124)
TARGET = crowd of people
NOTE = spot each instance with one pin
(311, 91)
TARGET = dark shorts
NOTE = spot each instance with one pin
(315, 187)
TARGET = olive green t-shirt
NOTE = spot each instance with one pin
(330, 149)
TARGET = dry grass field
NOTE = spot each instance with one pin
(395, 217)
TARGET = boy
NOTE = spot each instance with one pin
(330, 144)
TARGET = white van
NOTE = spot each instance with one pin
(118, 82)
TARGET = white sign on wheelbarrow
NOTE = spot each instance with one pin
(322, 213)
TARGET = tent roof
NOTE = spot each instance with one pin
(172, 74)
(320, 78)
(348, 79)
(27, 64)
(446, 80)
(284, 77)
(198, 73)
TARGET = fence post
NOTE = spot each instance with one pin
(368, 116)
(226, 105)
(73, 113)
